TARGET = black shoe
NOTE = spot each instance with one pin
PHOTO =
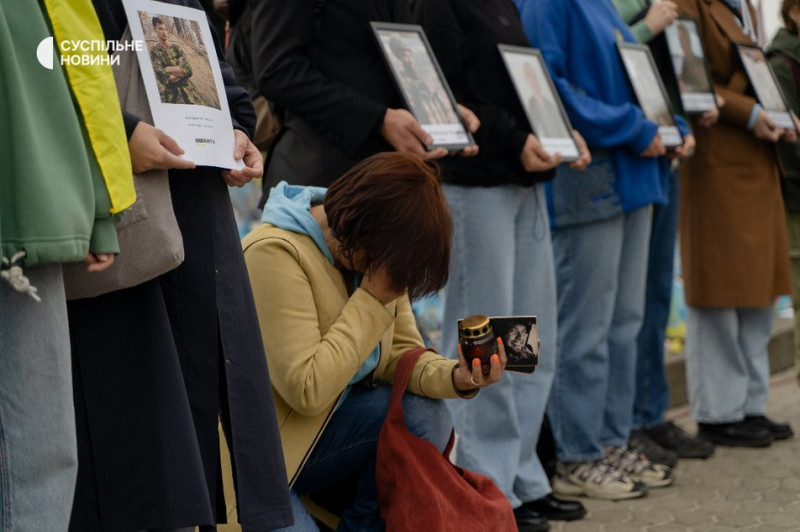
(779, 431)
(652, 450)
(555, 509)
(530, 521)
(669, 436)
(738, 434)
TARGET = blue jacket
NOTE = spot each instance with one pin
(578, 40)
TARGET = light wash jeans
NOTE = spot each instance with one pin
(38, 449)
(502, 266)
(601, 269)
(652, 390)
(727, 365)
(349, 446)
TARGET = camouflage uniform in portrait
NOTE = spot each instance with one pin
(180, 90)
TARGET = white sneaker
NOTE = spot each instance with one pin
(638, 467)
(595, 478)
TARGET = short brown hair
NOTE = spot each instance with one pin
(391, 209)
(788, 23)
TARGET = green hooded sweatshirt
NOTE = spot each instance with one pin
(783, 46)
(54, 204)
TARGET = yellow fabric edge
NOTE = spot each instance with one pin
(96, 93)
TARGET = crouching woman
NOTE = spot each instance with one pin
(333, 272)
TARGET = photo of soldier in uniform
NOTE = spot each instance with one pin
(758, 70)
(418, 78)
(180, 60)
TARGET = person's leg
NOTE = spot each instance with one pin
(38, 456)
(349, 444)
(535, 293)
(587, 262)
(755, 331)
(482, 281)
(652, 393)
(628, 312)
(716, 370)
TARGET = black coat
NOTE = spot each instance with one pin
(319, 62)
(464, 35)
(212, 365)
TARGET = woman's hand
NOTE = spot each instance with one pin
(660, 15)
(247, 151)
(472, 123)
(468, 377)
(97, 262)
(709, 118)
(378, 283)
(403, 132)
(151, 148)
(655, 149)
(684, 150)
(535, 159)
(585, 155)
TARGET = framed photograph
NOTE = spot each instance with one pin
(520, 336)
(649, 90)
(766, 85)
(539, 98)
(183, 80)
(691, 68)
(422, 84)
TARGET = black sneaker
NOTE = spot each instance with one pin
(530, 521)
(556, 509)
(653, 451)
(669, 436)
(737, 434)
(779, 431)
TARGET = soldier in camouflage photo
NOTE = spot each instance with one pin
(172, 69)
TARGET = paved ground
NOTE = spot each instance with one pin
(736, 489)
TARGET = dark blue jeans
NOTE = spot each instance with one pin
(349, 445)
(652, 392)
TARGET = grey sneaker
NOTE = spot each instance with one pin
(635, 464)
(595, 478)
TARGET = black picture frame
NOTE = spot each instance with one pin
(422, 84)
(691, 71)
(526, 359)
(546, 114)
(765, 85)
(648, 87)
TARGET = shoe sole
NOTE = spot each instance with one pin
(733, 442)
(562, 487)
(656, 483)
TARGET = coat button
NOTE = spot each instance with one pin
(216, 272)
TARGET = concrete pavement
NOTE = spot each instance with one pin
(736, 489)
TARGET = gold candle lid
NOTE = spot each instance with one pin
(474, 326)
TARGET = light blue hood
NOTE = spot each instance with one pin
(287, 208)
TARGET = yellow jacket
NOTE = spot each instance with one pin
(316, 337)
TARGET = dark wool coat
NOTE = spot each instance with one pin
(157, 365)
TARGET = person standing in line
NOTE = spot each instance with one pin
(499, 210)
(659, 439)
(64, 178)
(601, 226)
(320, 65)
(784, 58)
(730, 301)
(157, 365)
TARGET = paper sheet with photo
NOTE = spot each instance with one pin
(183, 80)
(520, 335)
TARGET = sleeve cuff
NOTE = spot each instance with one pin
(131, 121)
(104, 236)
(751, 123)
(642, 32)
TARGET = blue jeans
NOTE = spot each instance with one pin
(349, 445)
(601, 270)
(652, 391)
(38, 449)
(727, 365)
(503, 265)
